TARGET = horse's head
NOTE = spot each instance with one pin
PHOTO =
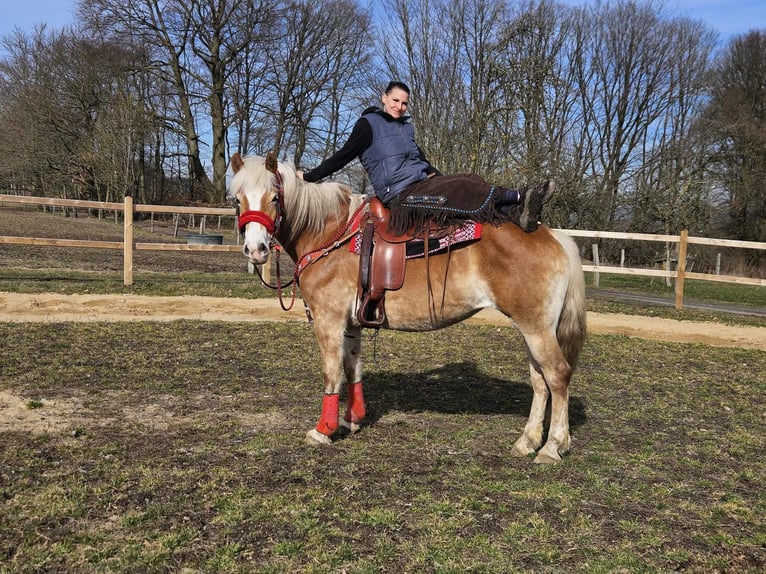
(257, 186)
(276, 203)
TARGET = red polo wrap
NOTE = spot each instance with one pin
(256, 217)
(328, 423)
(355, 410)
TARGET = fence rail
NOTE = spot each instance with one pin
(680, 274)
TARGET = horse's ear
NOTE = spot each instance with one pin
(271, 162)
(237, 162)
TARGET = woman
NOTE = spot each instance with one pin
(384, 141)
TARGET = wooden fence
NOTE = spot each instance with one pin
(680, 274)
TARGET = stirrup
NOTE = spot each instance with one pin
(371, 312)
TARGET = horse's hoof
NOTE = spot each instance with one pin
(519, 452)
(314, 437)
(352, 428)
(522, 448)
(543, 458)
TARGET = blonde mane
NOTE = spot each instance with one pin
(308, 206)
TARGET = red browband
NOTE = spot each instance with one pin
(256, 217)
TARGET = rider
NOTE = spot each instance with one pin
(384, 141)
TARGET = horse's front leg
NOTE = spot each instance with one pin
(341, 361)
(352, 366)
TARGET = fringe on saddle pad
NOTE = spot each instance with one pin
(415, 211)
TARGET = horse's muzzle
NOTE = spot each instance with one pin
(259, 255)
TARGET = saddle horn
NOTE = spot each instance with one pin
(271, 162)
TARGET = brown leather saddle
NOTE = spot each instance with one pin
(383, 259)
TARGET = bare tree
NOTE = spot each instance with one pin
(418, 46)
(195, 43)
(623, 76)
(670, 190)
(541, 113)
(737, 118)
(221, 30)
(68, 104)
(320, 50)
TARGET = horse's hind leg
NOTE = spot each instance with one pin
(549, 374)
(532, 437)
(352, 366)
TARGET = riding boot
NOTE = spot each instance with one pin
(505, 197)
(525, 211)
(507, 203)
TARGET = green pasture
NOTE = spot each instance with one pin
(178, 447)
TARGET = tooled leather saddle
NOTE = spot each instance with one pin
(383, 257)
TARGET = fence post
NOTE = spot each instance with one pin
(595, 264)
(127, 243)
(667, 266)
(681, 269)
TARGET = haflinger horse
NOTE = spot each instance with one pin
(535, 279)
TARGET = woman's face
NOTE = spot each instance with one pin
(395, 102)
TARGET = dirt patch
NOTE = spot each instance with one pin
(35, 415)
(52, 307)
(42, 415)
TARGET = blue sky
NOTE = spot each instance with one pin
(728, 17)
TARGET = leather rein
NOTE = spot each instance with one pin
(272, 227)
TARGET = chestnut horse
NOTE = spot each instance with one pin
(535, 279)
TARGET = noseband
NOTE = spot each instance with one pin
(251, 216)
(255, 216)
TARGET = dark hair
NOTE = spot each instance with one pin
(397, 85)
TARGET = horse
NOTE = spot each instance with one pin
(533, 278)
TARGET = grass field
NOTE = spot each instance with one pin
(151, 447)
(178, 447)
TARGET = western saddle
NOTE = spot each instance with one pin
(383, 260)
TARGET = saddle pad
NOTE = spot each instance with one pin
(463, 234)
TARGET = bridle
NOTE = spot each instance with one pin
(255, 216)
(272, 227)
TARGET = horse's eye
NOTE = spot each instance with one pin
(275, 199)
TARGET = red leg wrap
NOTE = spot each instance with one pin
(355, 410)
(328, 423)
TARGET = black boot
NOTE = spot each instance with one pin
(533, 200)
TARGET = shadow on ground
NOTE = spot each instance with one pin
(456, 388)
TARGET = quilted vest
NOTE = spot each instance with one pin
(393, 159)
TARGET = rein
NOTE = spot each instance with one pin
(349, 230)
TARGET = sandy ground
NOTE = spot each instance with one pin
(49, 307)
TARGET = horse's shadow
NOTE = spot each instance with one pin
(456, 388)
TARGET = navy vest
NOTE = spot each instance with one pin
(393, 159)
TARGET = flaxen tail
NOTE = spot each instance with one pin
(571, 329)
